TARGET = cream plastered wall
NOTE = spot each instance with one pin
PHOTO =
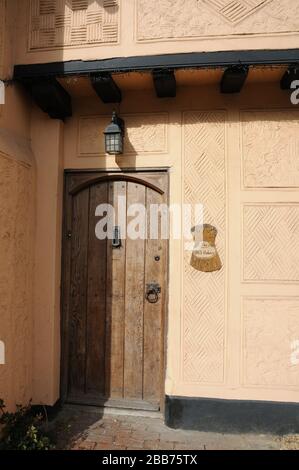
(234, 333)
(2, 35)
(17, 198)
(62, 30)
(47, 145)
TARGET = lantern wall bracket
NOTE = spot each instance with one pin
(114, 135)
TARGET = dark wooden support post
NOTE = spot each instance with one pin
(50, 96)
(106, 88)
(289, 77)
(165, 83)
(233, 79)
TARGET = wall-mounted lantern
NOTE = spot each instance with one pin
(114, 136)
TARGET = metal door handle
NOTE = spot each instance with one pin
(152, 292)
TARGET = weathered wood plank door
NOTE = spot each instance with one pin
(112, 334)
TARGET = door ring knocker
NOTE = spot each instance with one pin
(152, 293)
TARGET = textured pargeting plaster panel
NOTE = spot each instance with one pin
(145, 133)
(16, 222)
(2, 26)
(271, 242)
(204, 293)
(63, 23)
(7, 171)
(183, 19)
(22, 292)
(271, 331)
(270, 149)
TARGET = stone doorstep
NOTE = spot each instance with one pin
(111, 413)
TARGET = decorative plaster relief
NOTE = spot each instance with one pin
(189, 19)
(270, 149)
(204, 293)
(16, 147)
(63, 23)
(236, 10)
(270, 329)
(145, 133)
(16, 243)
(271, 242)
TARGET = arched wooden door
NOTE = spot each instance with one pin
(112, 334)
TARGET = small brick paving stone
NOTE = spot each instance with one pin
(78, 429)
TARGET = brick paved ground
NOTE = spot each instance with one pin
(86, 429)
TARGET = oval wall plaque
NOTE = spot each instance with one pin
(205, 257)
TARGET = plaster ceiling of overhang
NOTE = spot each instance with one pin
(81, 86)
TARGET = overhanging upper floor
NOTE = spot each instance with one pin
(53, 84)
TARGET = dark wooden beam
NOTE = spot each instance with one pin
(163, 61)
(165, 83)
(106, 88)
(233, 79)
(50, 96)
(290, 76)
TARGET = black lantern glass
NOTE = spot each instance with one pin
(114, 136)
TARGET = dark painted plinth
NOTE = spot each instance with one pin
(234, 416)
